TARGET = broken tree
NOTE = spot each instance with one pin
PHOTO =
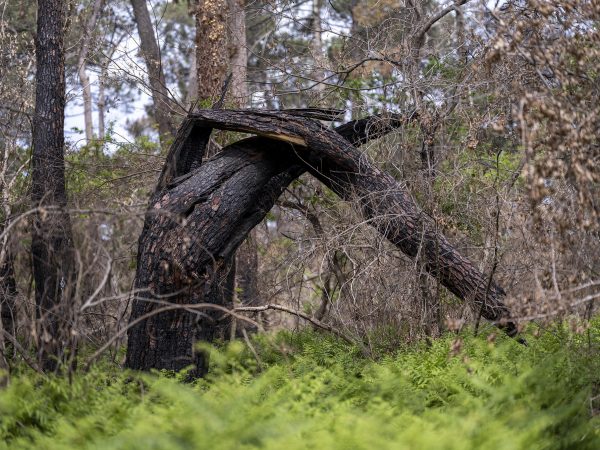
(199, 214)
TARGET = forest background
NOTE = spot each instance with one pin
(498, 145)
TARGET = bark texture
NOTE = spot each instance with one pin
(82, 69)
(316, 45)
(52, 246)
(238, 53)
(190, 233)
(246, 258)
(211, 48)
(385, 203)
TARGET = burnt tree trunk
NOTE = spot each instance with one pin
(198, 218)
(192, 229)
(52, 246)
(385, 203)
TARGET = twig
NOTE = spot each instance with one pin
(302, 315)
(161, 310)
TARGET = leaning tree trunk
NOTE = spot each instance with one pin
(197, 219)
(385, 203)
(52, 246)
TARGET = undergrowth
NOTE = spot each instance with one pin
(313, 391)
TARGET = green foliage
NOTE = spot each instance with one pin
(317, 392)
(472, 175)
(438, 67)
(93, 172)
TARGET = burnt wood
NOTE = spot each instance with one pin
(52, 250)
(197, 219)
(385, 203)
(190, 233)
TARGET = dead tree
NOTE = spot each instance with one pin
(197, 218)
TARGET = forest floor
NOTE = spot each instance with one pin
(312, 391)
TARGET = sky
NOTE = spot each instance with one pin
(126, 63)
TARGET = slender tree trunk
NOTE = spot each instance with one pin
(192, 84)
(87, 102)
(151, 52)
(90, 26)
(101, 102)
(52, 245)
(246, 264)
(317, 44)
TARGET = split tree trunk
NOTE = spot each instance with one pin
(197, 220)
(385, 204)
(191, 231)
(52, 246)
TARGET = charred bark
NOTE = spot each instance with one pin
(198, 219)
(190, 233)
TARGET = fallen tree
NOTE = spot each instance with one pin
(200, 213)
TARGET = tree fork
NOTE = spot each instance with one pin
(191, 230)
